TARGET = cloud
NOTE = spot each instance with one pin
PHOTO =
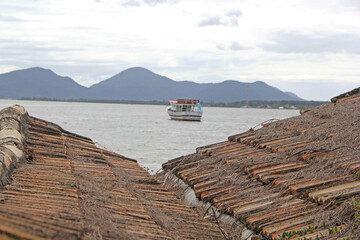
(234, 46)
(309, 89)
(221, 46)
(9, 44)
(354, 3)
(234, 13)
(230, 18)
(293, 42)
(125, 3)
(4, 18)
(138, 3)
(155, 2)
(18, 52)
(211, 21)
(131, 3)
(18, 6)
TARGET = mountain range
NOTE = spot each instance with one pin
(137, 84)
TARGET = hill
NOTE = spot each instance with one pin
(141, 84)
(134, 84)
(39, 83)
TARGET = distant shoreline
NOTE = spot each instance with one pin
(285, 104)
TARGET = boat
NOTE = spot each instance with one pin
(185, 109)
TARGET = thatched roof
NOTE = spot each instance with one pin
(59, 185)
(290, 179)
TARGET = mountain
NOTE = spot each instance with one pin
(138, 84)
(141, 84)
(293, 95)
(231, 91)
(39, 83)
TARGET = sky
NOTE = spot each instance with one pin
(308, 47)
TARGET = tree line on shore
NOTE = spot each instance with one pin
(241, 104)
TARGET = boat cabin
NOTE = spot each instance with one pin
(185, 109)
(185, 105)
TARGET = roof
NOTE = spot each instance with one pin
(185, 101)
(291, 179)
(59, 185)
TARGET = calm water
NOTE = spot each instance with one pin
(145, 132)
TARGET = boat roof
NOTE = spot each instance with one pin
(185, 101)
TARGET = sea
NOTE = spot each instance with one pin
(145, 132)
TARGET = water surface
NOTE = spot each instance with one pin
(145, 132)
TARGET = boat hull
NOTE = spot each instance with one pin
(185, 116)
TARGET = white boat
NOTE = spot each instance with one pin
(185, 109)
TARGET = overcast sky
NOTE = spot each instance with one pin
(308, 47)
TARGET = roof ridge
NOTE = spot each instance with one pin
(13, 131)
